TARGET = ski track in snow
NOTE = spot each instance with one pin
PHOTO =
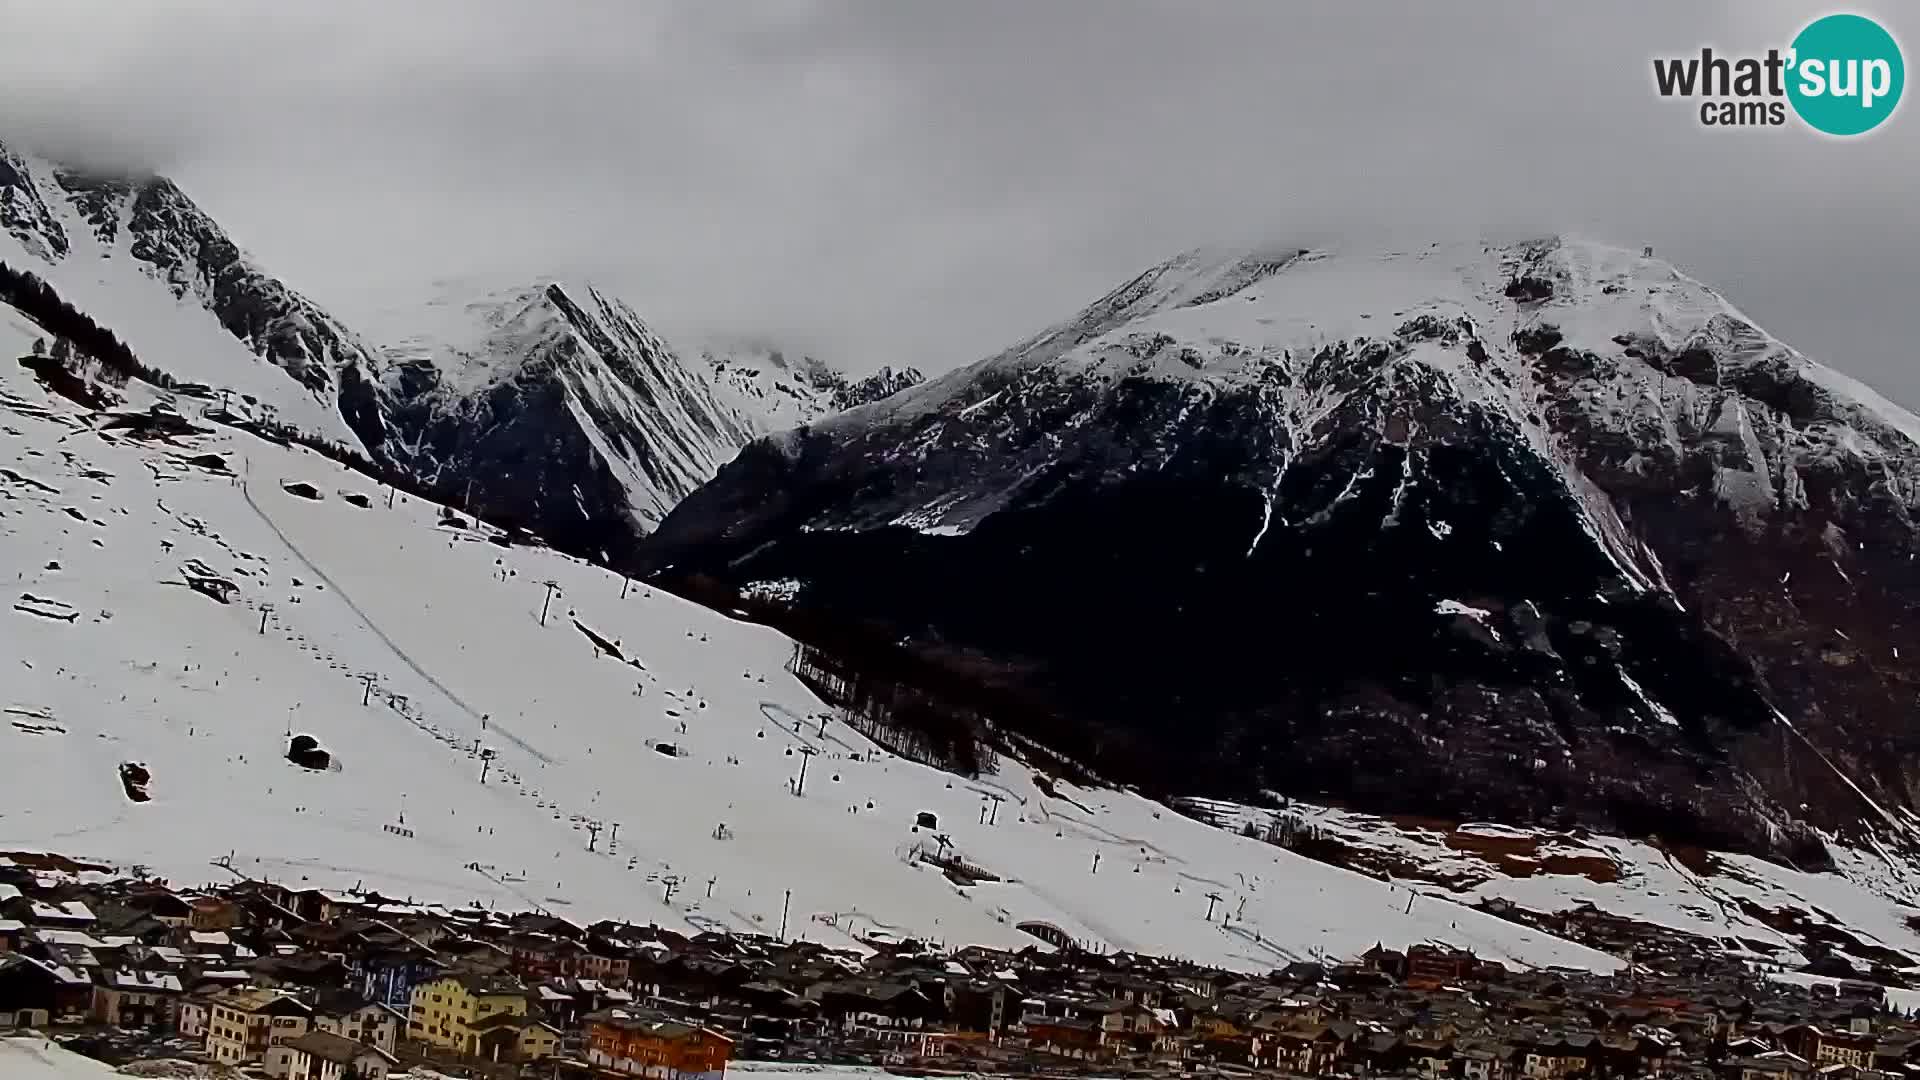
(347, 599)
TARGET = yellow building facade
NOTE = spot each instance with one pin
(444, 1011)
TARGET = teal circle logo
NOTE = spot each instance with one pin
(1846, 75)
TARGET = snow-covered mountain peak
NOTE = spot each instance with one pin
(1360, 439)
(1199, 276)
(475, 340)
(145, 263)
(770, 387)
(1568, 348)
(774, 388)
(1293, 322)
(551, 403)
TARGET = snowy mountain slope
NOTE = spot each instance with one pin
(1292, 312)
(1273, 488)
(115, 656)
(549, 404)
(553, 405)
(1779, 917)
(146, 263)
(570, 415)
(775, 391)
(760, 383)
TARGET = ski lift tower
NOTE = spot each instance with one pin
(800, 782)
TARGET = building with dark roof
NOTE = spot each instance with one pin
(322, 1055)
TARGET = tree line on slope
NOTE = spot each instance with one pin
(38, 301)
(905, 719)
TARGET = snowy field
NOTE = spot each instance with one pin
(112, 659)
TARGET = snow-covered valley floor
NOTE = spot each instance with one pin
(404, 646)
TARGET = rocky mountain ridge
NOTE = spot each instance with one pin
(547, 404)
(143, 260)
(777, 390)
(557, 408)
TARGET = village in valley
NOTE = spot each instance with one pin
(256, 979)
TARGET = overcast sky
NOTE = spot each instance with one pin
(921, 182)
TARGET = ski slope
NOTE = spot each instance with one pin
(110, 658)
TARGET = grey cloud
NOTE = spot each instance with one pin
(890, 182)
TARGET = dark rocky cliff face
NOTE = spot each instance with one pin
(850, 393)
(1804, 565)
(191, 254)
(24, 213)
(1479, 562)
